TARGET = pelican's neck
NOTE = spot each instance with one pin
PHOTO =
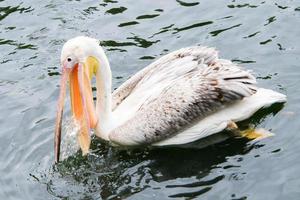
(104, 96)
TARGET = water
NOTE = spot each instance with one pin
(260, 35)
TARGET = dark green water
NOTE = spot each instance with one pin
(260, 35)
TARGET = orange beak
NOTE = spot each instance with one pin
(82, 105)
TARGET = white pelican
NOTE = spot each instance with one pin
(184, 96)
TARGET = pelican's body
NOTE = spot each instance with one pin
(184, 96)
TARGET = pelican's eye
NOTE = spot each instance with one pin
(69, 62)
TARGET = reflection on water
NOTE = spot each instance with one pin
(111, 173)
(260, 35)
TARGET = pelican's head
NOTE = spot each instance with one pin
(79, 62)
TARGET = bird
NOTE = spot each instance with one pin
(184, 96)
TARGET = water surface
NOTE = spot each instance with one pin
(260, 35)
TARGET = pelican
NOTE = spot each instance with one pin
(182, 97)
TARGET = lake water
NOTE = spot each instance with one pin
(260, 35)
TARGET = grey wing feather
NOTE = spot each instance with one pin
(208, 86)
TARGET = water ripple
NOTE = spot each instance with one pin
(18, 45)
(217, 32)
(115, 11)
(199, 24)
(6, 11)
(252, 35)
(270, 20)
(246, 5)
(128, 23)
(147, 16)
(191, 195)
(187, 4)
(265, 42)
(281, 7)
(163, 29)
(199, 183)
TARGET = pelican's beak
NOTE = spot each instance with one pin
(59, 114)
(82, 104)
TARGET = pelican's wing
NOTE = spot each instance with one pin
(174, 95)
(202, 54)
(126, 88)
